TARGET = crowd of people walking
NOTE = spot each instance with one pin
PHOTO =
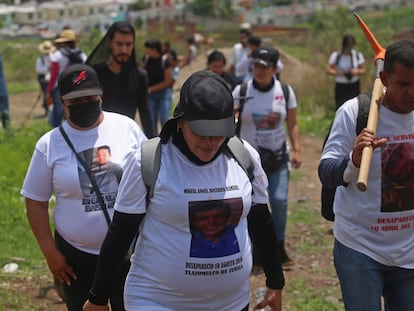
(220, 159)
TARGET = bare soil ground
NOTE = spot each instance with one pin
(309, 241)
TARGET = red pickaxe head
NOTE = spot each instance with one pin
(379, 51)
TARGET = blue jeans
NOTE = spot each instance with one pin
(4, 110)
(160, 105)
(56, 115)
(364, 280)
(278, 197)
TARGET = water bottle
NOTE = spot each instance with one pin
(259, 294)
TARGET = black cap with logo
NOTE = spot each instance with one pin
(79, 80)
(266, 56)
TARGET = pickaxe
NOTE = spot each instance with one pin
(377, 92)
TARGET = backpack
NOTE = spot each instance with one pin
(74, 56)
(328, 194)
(151, 159)
(355, 56)
(243, 100)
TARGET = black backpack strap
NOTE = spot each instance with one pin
(242, 101)
(150, 164)
(242, 156)
(90, 175)
(286, 94)
(338, 57)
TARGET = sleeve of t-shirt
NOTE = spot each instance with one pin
(243, 64)
(332, 58)
(335, 155)
(131, 198)
(54, 72)
(292, 98)
(38, 170)
(361, 59)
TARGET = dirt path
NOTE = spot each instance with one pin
(308, 239)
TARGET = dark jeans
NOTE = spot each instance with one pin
(364, 280)
(55, 118)
(43, 86)
(84, 265)
(345, 91)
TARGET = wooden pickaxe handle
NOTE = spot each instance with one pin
(377, 90)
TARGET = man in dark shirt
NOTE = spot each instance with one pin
(124, 84)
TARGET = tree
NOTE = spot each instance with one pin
(139, 5)
(222, 8)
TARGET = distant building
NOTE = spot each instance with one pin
(54, 15)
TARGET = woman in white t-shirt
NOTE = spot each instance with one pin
(262, 117)
(346, 65)
(193, 251)
(80, 219)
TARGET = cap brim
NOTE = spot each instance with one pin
(82, 93)
(262, 62)
(223, 127)
(61, 40)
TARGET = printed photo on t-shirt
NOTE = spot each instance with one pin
(107, 175)
(397, 161)
(212, 226)
(266, 121)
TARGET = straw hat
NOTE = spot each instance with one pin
(46, 47)
(66, 35)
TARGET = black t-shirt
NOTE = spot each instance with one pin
(126, 92)
(155, 69)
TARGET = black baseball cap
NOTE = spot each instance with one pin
(79, 80)
(266, 56)
(206, 102)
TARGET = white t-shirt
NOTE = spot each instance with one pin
(263, 115)
(43, 64)
(54, 168)
(379, 221)
(346, 63)
(63, 61)
(239, 52)
(163, 275)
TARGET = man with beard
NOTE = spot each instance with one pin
(124, 85)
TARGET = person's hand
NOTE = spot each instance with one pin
(296, 159)
(365, 139)
(89, 306)
(59, 267)
(49, 99)
(340, 72)
(355, 71)
(273, 299)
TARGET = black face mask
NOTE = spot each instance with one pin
(85, 114)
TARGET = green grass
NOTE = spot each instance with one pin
(17, 239)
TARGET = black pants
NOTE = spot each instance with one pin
(345, 91)
(43, 86)
(84, 265)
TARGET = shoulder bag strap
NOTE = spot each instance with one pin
(88, 171)
(242, 101)
(150, 164)
(241, 155)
